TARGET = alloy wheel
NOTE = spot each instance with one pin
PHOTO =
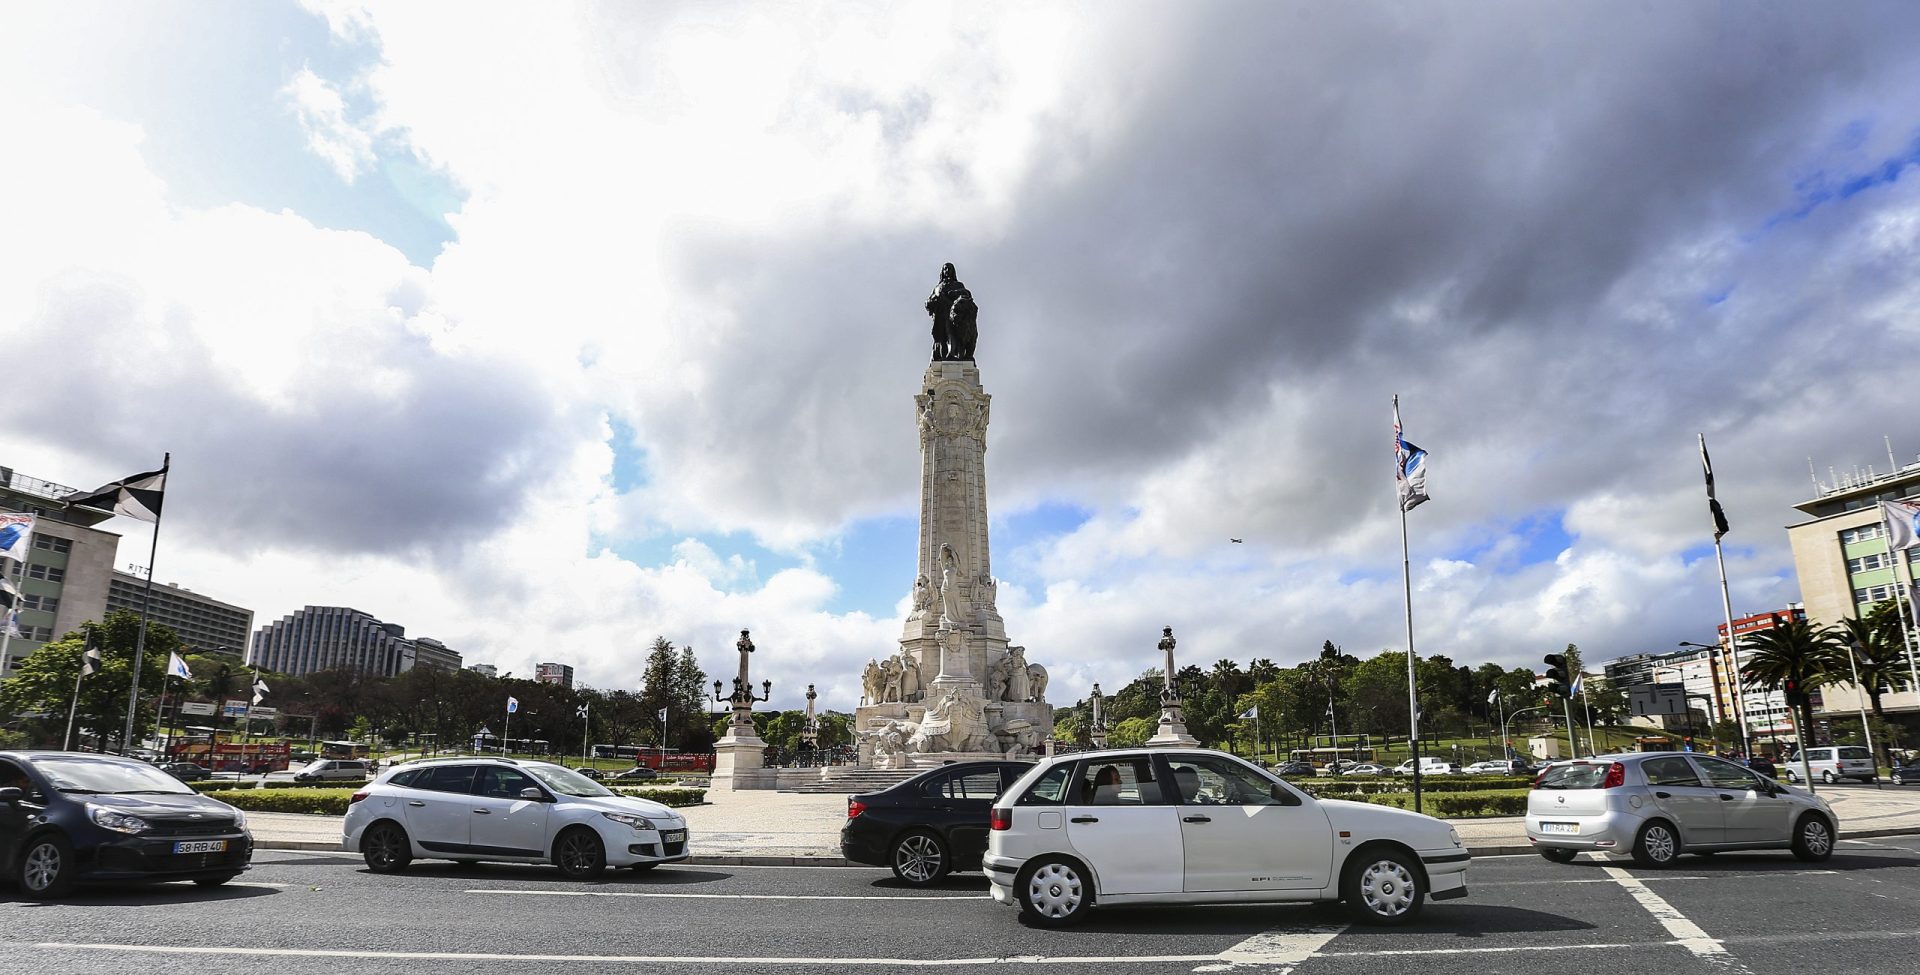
(577, 854)
(918, 858)
(1055, 890)
(1387, 888)
(1658, 843)
(383, 848)
(42, 868)
(1816, 838)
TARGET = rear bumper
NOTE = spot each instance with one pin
(1000, 872)
(864, 841)
(1607, 831)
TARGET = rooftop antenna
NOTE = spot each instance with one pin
(1833, 476)
(1893, 466)
(1815, 478)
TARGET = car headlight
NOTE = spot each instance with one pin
(119, 822)
(637, 822)
(1454, 834)
(239, 818)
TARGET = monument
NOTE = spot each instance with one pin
(739, 758)
(956, 688)
(1173, 724)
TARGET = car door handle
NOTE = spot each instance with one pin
(483, 812)
(1196, 819)
(1663, 795)
(1725, 798)
(415, 802)
(1084, 819)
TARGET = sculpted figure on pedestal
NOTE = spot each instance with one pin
(909, 679)
(950, 612)
(955, 317)
(1037, 682)
(997, 680)
(873, 681)
(890, 693)
(1019, 685)
(922, 598)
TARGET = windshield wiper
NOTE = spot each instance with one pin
(82, 792)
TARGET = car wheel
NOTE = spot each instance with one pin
(1826, 778)
(1897, 780)
(1558, 855)
(46, 867)
(579, 854)
(1383, 887)
(1054, 892)
(214, 881)
(1812, 838)
(919, 858)
(1657, 845)
(385, 848)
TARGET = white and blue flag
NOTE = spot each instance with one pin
(1409, 466)
(513, 704)
(16, 536)
(1252, 712)
(177, 667)
(1579, 681)
(13, 623)
(1903, 524)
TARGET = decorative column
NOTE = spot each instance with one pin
(1099, 729)
(810, 735)
(740, 758)
(1173, 726)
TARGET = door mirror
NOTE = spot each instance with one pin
(11, 794)
(532, 793)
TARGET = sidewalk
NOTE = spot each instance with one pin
(790, 829)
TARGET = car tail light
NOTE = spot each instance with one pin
(1537, 778)
(1616, 776)
(854, 808)
(1001, 819)
(356, 797)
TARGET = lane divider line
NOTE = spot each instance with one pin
(1689, 935)
(675, 895)
(731, 960)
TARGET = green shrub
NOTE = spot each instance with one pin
(1453, 805)
(321, 802)
(666, 796)
(252, 782)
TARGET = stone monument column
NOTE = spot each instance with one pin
(1098, 732)
(739, 759)
(1173, 725)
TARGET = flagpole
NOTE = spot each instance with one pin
(506, 730)
(146, 603)
(66, 744)
(1406, 577)
(1732, 652)
(1902, 597)
(1587, 702)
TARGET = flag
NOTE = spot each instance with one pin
(513, 704)
(13, 623)
(259, 689)
(90, 664)
(1903, 524)
(1573, 689)
(1409, 466)
(1713, 504)
(663, 714)
(138, 496)
(16, 536)
(8, 594)
(1493, 695)
(582, 711)
(1252, 712)
(177, 667)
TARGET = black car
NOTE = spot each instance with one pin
(638, 773)
(1905, 771)
(187, 771)
(593, 773)
(929, 825)
(69, 817)
(1293, 768)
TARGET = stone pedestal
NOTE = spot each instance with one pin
(738, 764)
(1173, 727)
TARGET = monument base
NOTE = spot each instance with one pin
(1172, 733)
(738, 763)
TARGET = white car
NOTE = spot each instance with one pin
(1365, 768)
(499, 809)
(1494, 767)
(1193, 826)
(1428, 766)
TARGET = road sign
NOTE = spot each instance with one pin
(1653, 699)
(235, 709)
(264, 713)
(197, 707)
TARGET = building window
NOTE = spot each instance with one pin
(1872, 594)
(48, 543)
(47, 572)
(1868, 563)
(1864, 533)
(46, 604)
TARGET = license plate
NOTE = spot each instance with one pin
(674, 836)
(200, 846)
(1559, 827)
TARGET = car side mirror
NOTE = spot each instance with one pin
(532, 793)
(11, 794)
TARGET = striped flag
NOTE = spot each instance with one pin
(1903, 524)
(137, 497)
(90, 664)
(1713, 504)
(16, 535)
(1409, 466)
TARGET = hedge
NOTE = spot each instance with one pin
(1454, 805)
(333, 802)
(228, 785)
(1428, 783)
(667, 796)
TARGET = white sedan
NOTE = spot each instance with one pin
(1192, 826)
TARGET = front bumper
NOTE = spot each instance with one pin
(124, 858)
(1446, 873)
(627, 847)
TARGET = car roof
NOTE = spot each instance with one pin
(33, 755)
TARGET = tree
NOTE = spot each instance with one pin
(1794, 656)
(1880, 656)
(690, 703)
(1378, 690)
(1133, 731)
(43, 684)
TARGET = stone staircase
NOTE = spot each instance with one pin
(848, 780)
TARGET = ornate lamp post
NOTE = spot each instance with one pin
(743, 697)
(740, 756)
(810, 735)
(1173, 725)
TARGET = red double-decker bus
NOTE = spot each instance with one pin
(234, 756)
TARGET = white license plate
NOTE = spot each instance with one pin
(1559, 827)
(674, 836)
(200, 846)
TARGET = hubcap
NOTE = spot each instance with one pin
(1658, 844)
(918, 858)
(1054, 890)
(1818, 841)
(43, 865)
(577, 854)
(1387, 888)
(384, 848)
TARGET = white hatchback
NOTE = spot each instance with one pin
(498, 809)
(1191, 826)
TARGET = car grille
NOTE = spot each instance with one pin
(190, 828)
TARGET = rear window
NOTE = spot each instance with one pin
(1855, 751)
(1583, 775)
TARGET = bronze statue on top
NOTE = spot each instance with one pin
(955, 318)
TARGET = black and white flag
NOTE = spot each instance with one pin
(138, 496)
(90, 664)
(1713, 504)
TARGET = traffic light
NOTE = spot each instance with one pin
(1795, 697)
(1557, 684)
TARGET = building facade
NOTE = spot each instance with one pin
(561, 674)
(1840, 555)
(65, 581)
(1767, 714)
(484, 670)
(342, 638)
(206, 625)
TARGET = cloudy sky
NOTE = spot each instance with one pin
(546, 330)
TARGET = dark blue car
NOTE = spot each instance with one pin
(71, 817)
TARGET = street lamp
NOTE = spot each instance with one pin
(742, 699)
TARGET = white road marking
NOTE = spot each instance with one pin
(1688, 934)
(1663, 878)
(675, 895)
(731, 960)
(1277, 947)
(1488, 951)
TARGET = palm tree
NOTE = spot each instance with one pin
(1882, 661)
(1798, 654)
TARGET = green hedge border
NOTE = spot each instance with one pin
(334, 802)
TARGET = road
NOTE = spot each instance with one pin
(1734, 914)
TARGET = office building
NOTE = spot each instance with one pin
(342, 638)
(554, 674)
(484, 670)
(206, 625)
(1767, 714)
(65, 580)
(1840, 554)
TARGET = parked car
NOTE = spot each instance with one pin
(1905, 771)
(527, 812)
(1293, 768)
(1365, 768)
(1428, 766)
(1659, 805)
(187, 771)
(334, 769)
(1193, 826)
(929, 825)
(1499, 767)
(1338, 766)
(68, 817)
(638, 773)
(1832, 763)
(592, 773)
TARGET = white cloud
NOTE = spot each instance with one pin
(322, 114)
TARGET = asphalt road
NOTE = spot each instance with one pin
(298, 913)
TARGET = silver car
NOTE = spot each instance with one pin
(1659, 805)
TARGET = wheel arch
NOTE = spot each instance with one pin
(1093, 876)
(572, 826)
(1357, 854)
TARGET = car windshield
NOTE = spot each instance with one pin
(107, 776)
(1855, 751)
(1581, 775)
(566, 781)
